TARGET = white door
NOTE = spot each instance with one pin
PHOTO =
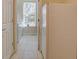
(7, 29)
(4, 44)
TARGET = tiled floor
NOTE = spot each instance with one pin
(27, 48)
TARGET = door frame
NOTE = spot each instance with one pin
(14, 26)
(39, 25)
(14, 29)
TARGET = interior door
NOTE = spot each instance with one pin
(4, 44)
(61, 29)
(7, 28)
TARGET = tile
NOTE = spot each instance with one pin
(27, 48)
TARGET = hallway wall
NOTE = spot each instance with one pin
(19, 10)
(44, 30)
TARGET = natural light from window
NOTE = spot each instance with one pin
(29, 14)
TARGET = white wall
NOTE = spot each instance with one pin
(44, 30)
(19, 10)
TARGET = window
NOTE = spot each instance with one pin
(29, 13)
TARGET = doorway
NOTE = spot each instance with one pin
(26, 29)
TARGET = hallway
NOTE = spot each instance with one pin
(27, 48)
